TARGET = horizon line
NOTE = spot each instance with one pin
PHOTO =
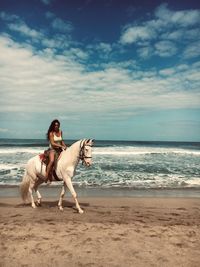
(116, 140)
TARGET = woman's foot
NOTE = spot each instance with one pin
(46, 178)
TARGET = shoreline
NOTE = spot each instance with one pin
(49, 191)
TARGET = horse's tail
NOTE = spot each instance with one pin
(24, 187)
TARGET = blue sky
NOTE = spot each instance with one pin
(121, 70)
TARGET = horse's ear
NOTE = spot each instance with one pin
(90, 141)
(87, 141)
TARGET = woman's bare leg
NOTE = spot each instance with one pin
(50, 165)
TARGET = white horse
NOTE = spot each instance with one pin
(65, 170)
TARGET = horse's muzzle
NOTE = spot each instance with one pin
(88, 164)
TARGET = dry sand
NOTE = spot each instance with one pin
(111, 232)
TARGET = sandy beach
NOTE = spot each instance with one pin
(113, 231)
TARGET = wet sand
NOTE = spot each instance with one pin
(115, 231)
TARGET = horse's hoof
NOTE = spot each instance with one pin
(34, 206)
(60, 208)
(80, 211)
(38, 204)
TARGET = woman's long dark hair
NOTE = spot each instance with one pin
(51, 127)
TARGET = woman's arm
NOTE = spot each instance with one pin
(63, 143)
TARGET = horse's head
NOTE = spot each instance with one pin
(86, 151)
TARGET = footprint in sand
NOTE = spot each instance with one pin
(63, 253)
(116, 239)
(16, 215)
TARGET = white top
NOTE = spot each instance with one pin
(57, 138)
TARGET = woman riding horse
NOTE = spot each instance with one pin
(65, 170)
(56, 145)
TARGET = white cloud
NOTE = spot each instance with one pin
(167, 72)
(59, 24)
(50, 15)
(76, 53)
(165, 49)
(192, 50)
(46, 2)
(47, 83)
(135, 33)
(130, 64)
(162, 12)
(101, 50)
(3, 130)
(183, 67)
(58, 41)
(7, 17)
(166, 26)
(182, 18)
(181, 35)
(22, 28)
(104, 47)
(14, 23)
(174, 35)
(145, 52)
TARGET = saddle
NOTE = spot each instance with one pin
(44, 158)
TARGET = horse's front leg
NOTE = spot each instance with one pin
(61, 197)
(69, 184)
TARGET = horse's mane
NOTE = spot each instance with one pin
(73, 145)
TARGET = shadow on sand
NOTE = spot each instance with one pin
(44, 204)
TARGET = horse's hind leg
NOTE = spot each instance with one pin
(39, 198)
(33, 186)
(32, 199)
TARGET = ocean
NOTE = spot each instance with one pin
(116, 164)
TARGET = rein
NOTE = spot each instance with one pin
(81, 154)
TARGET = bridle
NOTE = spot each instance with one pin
(82, 155)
